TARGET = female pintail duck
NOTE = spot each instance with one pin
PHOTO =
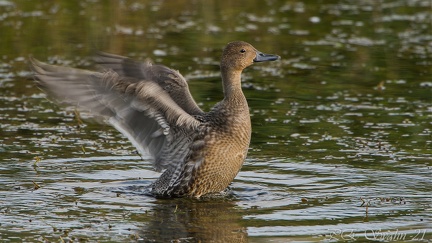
(200, 152)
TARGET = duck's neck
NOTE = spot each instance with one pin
(234, 106)
(231, 80)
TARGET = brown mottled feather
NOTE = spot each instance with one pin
(199, 152)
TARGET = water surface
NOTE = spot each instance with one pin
(342, 124)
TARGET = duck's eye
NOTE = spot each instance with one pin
(242, 50)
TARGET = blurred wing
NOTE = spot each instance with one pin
(170, 80)
(141, 110)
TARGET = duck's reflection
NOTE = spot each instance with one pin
(184, 220)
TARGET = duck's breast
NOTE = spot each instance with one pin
(226, 142)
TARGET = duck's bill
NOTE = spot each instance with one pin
(262, 57)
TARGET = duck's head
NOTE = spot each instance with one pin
(238, 55)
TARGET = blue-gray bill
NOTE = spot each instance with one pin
(263, 57)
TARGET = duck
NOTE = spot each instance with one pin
(197, 152)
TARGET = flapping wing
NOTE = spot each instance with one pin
(170, 80)
(141, 110)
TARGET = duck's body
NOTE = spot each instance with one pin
(217, 152)
(200, 152)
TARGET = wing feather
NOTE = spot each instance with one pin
(141, 109)
(168, 79)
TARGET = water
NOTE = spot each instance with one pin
(341, 146)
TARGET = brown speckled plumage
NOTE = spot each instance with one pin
(199, 152)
